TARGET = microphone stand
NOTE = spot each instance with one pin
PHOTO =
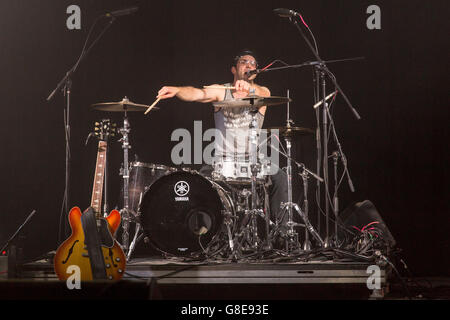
(15, 254)
(323, 67)
(321, 71)
(66, 81)
(318, 147)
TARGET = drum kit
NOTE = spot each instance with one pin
(225, 215)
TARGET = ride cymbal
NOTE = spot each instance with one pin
(291, 131)
(121, 106)
(252, 101)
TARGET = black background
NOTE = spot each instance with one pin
(397, 153)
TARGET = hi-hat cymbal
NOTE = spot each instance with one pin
(291, 131)
(121, 106)
(252, 101)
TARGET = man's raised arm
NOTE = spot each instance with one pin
(189, 94)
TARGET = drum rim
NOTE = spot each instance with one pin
(151, 165)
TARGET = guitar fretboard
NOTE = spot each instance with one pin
(97, 189)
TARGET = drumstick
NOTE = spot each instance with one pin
(218, 87)
(151, 107)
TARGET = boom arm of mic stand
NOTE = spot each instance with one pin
(324, 67)
(289, 67)
(308, 63)
(83, 54)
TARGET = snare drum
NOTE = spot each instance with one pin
(238, 171)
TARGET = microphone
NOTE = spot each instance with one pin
(285, 13)
(122, 12)
(252, 72)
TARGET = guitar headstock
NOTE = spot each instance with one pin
(105, 129)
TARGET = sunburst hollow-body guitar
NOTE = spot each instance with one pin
(91, 247)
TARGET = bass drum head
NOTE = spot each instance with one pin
(177, 210)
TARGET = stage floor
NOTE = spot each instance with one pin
(158, 278)
(154, 278)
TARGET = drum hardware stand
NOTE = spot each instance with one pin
(125, 175)
(248, 231)
(305, 176)
(292, 236)
(335, 156)
(135, 240)
(255, 168)
(292, 241)
(228, 222)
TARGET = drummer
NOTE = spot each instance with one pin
(239, 119)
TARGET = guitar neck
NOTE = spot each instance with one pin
(97, 189)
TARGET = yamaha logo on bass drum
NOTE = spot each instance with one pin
(181, 189)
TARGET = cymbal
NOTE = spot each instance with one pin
(290, 131)
(121, 106)
(252, 101)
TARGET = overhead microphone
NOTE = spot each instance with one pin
(122, 12)
(285, 13)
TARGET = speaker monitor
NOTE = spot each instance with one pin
(362, 213)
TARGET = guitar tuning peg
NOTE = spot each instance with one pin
(96, 123)
(96, 129)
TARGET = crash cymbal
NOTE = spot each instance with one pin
(290, 131)
(121, 106)
(252, 101)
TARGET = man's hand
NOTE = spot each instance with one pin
(167, 92)
(242, 86)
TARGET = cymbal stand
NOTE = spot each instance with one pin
(292, 236)
(305, 176)
(335, 197)
(125, 175)
(292, 241)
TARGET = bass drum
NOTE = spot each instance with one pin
(183, 212)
